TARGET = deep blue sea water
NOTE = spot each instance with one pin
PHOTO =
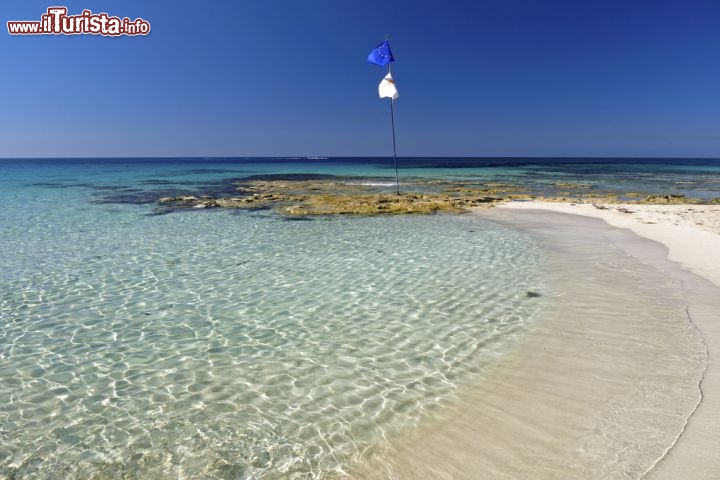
(238, 344)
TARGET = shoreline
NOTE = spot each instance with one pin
(603, 386)
(691, 232)
(691, 235)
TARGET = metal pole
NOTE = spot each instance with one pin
(392, 119)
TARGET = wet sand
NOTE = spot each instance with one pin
(691, 236)
(611, 382)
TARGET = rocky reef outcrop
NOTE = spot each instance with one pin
(327, 195)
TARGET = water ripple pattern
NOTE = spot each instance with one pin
(223, 345)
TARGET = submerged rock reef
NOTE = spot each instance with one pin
(331, 197)
(321, 195)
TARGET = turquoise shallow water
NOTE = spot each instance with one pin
(233, 344)
(219, 344)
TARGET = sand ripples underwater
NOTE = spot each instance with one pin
(218, 345)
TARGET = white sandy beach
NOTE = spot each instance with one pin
(617, 380)
(691, 233)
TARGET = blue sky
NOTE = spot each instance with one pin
(289, 77)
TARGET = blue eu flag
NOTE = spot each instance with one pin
(381, 55)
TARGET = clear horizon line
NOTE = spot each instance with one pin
(320, 157)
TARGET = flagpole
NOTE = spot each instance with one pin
(382, 56)
(392, 121)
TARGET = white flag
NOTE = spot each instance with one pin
(387, 88)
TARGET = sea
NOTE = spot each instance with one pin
(141, 342)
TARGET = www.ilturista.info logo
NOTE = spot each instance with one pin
(57, 22)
